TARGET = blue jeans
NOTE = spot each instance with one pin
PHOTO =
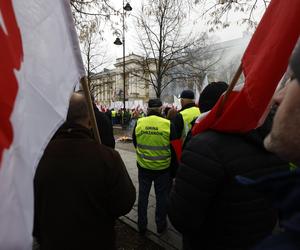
(162, 184)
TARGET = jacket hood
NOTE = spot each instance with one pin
(187, 106)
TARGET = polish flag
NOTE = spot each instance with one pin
(40, 63)
(263, 65)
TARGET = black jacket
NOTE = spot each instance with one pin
(208, 206)
(105, 128)
(284, 190)
(80, 188)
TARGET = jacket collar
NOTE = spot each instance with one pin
(154, 113)
(72, 130)
(189, 105)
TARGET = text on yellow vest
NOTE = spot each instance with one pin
(153, 142)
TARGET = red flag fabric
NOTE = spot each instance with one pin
(10, 49)
(264, 64)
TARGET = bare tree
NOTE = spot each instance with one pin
(101, 9)
(198, 61)
(166, 45)
(94, 55)
(218, 12)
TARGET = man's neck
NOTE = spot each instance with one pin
(153, 113)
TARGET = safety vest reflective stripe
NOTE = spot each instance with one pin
(154, 158)
(153, 147)
(188, 115)
(153, 142)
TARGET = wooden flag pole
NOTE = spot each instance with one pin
(84, 84)
(229, 90)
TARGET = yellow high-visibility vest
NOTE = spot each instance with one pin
(153, 142)
(188, 116)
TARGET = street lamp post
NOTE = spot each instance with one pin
(126, 7)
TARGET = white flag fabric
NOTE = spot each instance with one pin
(40, 65)
(197, 94)
(204, 83)
(177, 102)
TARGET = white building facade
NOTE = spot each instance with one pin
(107, 86)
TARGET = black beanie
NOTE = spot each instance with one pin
(210, 95)
(187, 94)
(154, 103)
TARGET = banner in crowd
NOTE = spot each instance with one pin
(40, 64)
(128, 104)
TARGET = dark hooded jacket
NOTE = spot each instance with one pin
(105, 128)
(80, 188)
(208, 206)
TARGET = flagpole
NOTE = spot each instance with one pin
(84, 84)
(229, 90)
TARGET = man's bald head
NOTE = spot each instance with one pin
(78, 110)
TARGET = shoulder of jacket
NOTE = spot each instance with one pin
(105, 151)
(211, 144)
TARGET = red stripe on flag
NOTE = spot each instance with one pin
(264, 63)
(11, 54)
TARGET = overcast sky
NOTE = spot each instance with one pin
(232, 32)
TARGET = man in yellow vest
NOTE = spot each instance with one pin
(188, 113)
(155, 160)
(113, 116)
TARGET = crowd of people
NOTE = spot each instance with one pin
(221, 191)
(121, 117)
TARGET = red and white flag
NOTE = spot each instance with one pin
(263, 64)
(40, 63)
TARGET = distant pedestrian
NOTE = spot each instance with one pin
(108, 114)
(165, 111)
(207, 100)
(113, 116)
(155, 159)
(188, 112)
(80, 188)
(105, 128)
(171, 114)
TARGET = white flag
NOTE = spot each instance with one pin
(39, 67)
(204, 83)
(197, 94)
(177, 102)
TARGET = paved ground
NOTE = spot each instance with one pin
(169, 240)
(127, 238)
